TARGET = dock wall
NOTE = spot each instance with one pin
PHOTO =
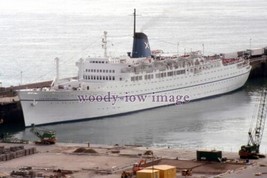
(259, 67)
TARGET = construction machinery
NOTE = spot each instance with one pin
(126, 174)
(139, 166)
(251, 150)
(46, 137)
(136, 167)
(187, 172)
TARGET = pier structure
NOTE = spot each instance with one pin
(259, 67)
(10, 108)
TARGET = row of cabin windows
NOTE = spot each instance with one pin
(178, 72)
(171, 73)
(159, 75)
(100, 70)
(149, 76)
(99, 62)
(136, 78)
(93, 77)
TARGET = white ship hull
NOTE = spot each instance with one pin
(45, 107)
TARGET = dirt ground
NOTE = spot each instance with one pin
(110, 161)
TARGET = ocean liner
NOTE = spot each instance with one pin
(141, 80)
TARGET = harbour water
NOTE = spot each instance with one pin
(220, 122)
(34, 32)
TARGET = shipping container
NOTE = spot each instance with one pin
(209, 155)
(165, 171)
(255, 52)
(147, 173)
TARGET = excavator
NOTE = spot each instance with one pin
(46, 137)
(251, 150)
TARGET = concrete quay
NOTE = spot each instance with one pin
(109, 161)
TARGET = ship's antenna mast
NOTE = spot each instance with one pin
(178, 49)
(57, 69)
(20, 77)
(134, 21)
(104, 45)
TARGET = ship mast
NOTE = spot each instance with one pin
(57, 69)
(104, 45)
(134, 22)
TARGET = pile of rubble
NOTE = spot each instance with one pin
(15, 152)
(31, 172)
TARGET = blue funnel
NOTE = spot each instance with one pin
(141, 46)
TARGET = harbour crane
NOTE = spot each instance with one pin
(251, 150)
